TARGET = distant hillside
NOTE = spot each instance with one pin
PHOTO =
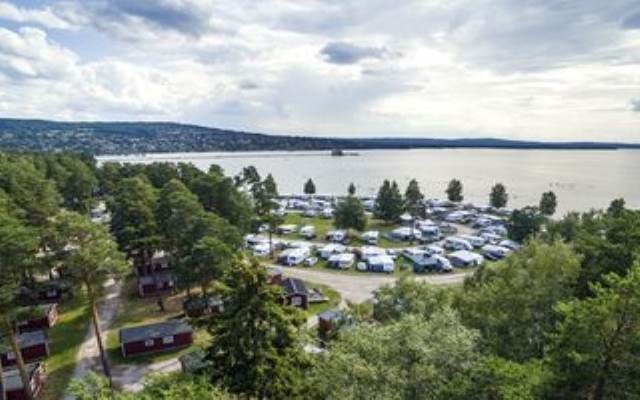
(154, 137)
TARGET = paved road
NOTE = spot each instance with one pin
(359, 288)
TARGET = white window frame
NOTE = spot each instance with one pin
(149, 343)
(168, 340)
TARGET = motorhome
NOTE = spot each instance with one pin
(308, 232)
(337, 236)
(342, 260)
(464, 258)
(493, 252)
(382, 263)
(433, 263)
(370, 237)
(294, 256)
(405, 234)
(331, 249)
(286, 229)
(455, 243)
(476, 241)
(366, 252)
(414, 254)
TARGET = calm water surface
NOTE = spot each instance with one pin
(581, 179)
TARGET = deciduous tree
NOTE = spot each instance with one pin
(349, 214)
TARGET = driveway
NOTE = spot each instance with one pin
(359, 288)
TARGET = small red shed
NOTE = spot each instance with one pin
(11, 383)
(153, 338)
(295, 293)
(33, 346)
(160, 283)
(37, 317)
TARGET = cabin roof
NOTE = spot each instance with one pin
(11, 377)
(152, 331)
(294, 286)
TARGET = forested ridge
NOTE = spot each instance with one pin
(100, 138)
(559, 319)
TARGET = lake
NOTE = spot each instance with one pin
(581, 179)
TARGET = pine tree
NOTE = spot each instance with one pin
(498, 197)
(309, 187)
(454, 191)
(389, 203)
(548, 203)
(254, 346)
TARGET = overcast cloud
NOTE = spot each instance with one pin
(524, 69)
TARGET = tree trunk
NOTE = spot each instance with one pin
(95, 319)
(3, 395)
(24, 377)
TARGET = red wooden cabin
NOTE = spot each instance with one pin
(12, 386)
(37, 317)
(153, 338)
(33, 346)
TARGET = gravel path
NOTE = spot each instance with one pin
(359, 288)
(88, 357)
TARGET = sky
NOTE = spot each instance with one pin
(561, 70)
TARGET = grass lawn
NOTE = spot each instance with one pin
(333, 295)
(134, 310)
(65, 339)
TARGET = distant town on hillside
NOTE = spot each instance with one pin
(157, 137)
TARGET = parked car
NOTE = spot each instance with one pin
(310, 262)
(308, 232)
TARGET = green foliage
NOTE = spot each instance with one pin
(351, 190)
(86, 250)
(219, 194)
(594, 353)
(309, 187)
(454, 191)
(133, 221)
(389, 203)
(254, 346)
(414, 200)
(349, 214)
(524, 223)
(409, 296)
(498, 197)
(512, 302)
(414, 358)
(207, 261)
(548, 203)
(496, 378)
(177, 212)
(616, 208)
(156, 387)
(29, 190)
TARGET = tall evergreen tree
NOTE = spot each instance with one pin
(133, 222)
(414, 200)
(548, 203)
(351, 189)
(389, 203)
(309, 187)
(254, 348)
(454, 191)
(498, 197)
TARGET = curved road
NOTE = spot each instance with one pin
(359, 288)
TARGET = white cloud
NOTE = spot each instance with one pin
(535, 70)
(42, 16)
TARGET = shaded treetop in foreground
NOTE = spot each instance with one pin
(154, 137)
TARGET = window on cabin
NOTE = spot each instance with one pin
(11, 355)
(168, 340)
(296, 301)
(149, 343)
